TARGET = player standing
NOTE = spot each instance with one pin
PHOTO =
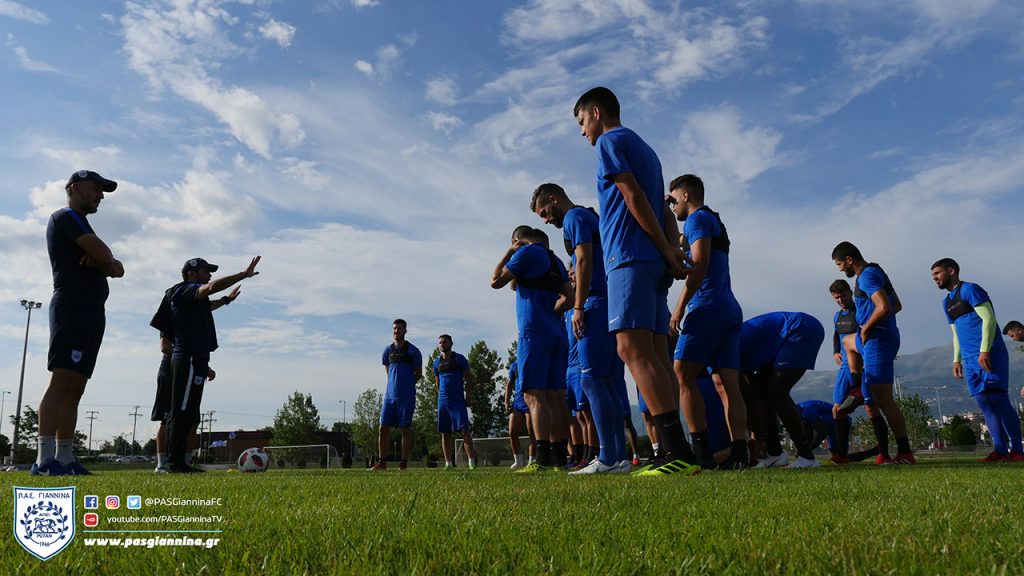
(980, 358)
(403, 364)
(878, 340)
(81, 264)
(454, 382)
(639, 263)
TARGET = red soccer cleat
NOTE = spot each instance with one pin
(840, 460)
(379, 467)
(883, 460)
(403, 465)
(635, 462)
(1013, 456)
(907, 458)
(994, 456)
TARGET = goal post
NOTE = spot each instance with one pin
(490, 451)
(304, 456)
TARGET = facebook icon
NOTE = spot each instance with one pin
(92, 502)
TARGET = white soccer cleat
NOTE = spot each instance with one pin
(624, 467)
(516, 465)
(596, 467)
(780, 461)
(802, 462)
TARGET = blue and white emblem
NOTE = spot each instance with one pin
(44, 519)
(76, 356)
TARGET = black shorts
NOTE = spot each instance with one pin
(188, 378)
(76, 332)
(162, 404)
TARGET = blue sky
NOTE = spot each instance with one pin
(377, 153)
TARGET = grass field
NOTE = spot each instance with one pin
(944, 516)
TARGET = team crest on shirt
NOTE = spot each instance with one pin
(198, 380)
(44, 519)
(76, 356)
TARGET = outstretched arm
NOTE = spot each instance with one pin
(226, 282)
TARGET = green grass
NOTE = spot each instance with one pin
(945, 516)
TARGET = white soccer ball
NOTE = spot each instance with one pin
(253, 460)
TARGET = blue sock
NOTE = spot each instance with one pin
(607, 417)
(1002, 420)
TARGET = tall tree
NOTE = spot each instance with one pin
(485, 403)
(917, 413)
(27, 433)
(425, 439)
(297, 422)
(366, 422)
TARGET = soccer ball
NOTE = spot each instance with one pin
(253, 460)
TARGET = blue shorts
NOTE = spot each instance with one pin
(638, 297)
(519, 403)
(597, 347)
(452, 417)
(542, 362)
(800, 349)
(574, 394)
(641, 404)
(979, 381)
(879, 356)
(711, 337)
(395, 413)
(718, 429)
(76, 332)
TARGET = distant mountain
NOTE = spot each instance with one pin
(916, 372)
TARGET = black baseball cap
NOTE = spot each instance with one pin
(197, 263)
(89, 175)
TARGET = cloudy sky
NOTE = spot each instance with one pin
(376, 153)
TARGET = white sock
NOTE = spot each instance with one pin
(47, 447)
(65, 450)
(517, 459)
(636, 456)
(655, 446)
(472, 462)
(161, 458)
(188, 458)
(448, 463)
(531, 460)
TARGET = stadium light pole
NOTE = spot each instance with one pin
(3, 397)
(27, 305)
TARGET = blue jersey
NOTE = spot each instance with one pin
(581, 226)
(870, 280)
(621, 151)
(959, 307)
(716, 289)
(162, 320)
(192, 322)
(818, 410)
(574, 354)
(535, 307)
(72, 282)
(763, 336)
(451, 378)
(402, 363)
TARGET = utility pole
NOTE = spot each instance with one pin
(209, 431)
(90, 418)
(135, 419)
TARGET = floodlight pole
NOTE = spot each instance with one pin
(27, 305)
(3, 396)
(91, 417)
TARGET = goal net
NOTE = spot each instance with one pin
(307, 456)
(490, 451)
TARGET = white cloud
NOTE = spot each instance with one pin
(560, 20)
(264, 336)
(365, 3)
(364, 67)
(305, 173)
(443, 122)
(23, 13)
(442, 90)
(175, 47)
(280, 32)
(715, 48)
(716, 145)
(26, 61)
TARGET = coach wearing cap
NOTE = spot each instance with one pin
(195, 337)
(81, 264)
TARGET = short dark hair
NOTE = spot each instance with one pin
(839, 287)
(1012, 325)
(845, 250)
(601, 97)
(545, 190)
(691, 183)
(521, 231)
(442, 336)
(946, 263)
(539, 236)
(400, 322)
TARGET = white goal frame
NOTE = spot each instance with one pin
(320, 453)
